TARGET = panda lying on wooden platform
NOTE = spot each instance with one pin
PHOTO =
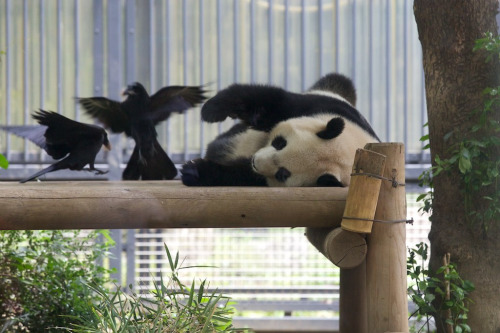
(284, 138)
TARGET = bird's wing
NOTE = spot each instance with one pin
(34, 133)
(174, 99)
(107, 112)
(63, 134)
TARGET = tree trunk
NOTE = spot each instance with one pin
(455, 77)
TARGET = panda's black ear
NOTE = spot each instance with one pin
(333, 129)
(328, 180)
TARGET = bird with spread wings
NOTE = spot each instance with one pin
(73, 143)
(137, 117)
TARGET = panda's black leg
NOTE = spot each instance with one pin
(257, 105)
(201, 172)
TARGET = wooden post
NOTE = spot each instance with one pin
(346, 246)
(352, 305)
(386, 257)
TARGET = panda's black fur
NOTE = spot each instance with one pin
(321, 123)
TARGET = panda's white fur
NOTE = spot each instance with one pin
(309, 156)
(318, 134)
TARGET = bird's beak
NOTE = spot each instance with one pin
(129, 91)
(107, 146)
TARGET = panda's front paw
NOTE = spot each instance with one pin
(190, 175)
(219, 108)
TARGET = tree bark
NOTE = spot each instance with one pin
(455, 77)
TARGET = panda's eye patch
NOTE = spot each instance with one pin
(279, 143)
(282, 175)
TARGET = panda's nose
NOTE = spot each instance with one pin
(282, 174)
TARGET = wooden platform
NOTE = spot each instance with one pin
(164, 204)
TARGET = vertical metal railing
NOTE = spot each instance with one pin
(200, 44)
(365, 40)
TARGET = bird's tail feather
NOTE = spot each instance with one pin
(48, 169)
(151, 164)
(132, 171)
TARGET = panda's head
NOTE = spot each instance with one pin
(310, 151)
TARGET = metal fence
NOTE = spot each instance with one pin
(54, 50)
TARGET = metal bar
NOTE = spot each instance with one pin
(114, 80)
(320, 38)
(219, 53)
(337, 35)
(185, 73)
(130, 40)
(114, 59)
(252, 42)
(271, 46)
(303, 54)
(370, 62)
(76, 15)
(152, 48)
(130, 251)
(287, 36)
(236, 44)
(388, 81)
(59, 58)
(98, 48)
(354, 34)
(26, 87)
(41, 55)
(202, 68)
(8, 75)
(405, 76)
(168, 124)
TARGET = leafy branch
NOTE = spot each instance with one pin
(445, 292)
(475, 155)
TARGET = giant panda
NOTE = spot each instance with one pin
(282, 138)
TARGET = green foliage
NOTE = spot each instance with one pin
(429, 292)
(43, 277)
(4, 164)
(171, 307)
(475, 154)
(425, 181)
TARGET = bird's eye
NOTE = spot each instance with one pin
(282, 175)
(279, 143)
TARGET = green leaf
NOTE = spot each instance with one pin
(3, 162)
(464, 164)
(429, 298)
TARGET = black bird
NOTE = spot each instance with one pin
(61, 137)
(137, 116)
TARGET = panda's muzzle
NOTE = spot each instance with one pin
(252, 161)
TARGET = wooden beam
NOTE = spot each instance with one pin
(164, 204)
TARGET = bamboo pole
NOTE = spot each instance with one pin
(363, 191)
(164, 204)
(344, 248)
(386, 257)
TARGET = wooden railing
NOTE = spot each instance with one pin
(372, 292)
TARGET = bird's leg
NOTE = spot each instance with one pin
(96, 171)
(100, 172)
